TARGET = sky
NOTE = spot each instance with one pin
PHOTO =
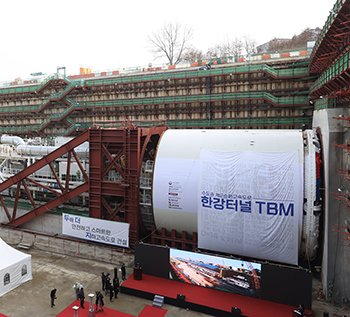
(40, 35)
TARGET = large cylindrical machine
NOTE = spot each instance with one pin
(256, 178)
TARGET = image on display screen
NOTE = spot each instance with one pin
(230, 275)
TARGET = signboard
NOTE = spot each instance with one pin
(96, 230)
(250, 203)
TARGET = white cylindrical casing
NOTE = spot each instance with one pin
(176, 167)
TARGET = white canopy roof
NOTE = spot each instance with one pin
(15, 268)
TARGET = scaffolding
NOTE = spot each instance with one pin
(254, 95)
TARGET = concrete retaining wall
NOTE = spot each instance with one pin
(59, 244)
(335, 273)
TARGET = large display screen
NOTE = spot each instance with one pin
(225, 274)
(262, 281)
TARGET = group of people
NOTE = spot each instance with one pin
(108, 286)
(111, 287)
(79, 293)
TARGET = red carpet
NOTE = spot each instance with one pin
(107, 312)
(251, 307)
(152, 312)
(1, 315)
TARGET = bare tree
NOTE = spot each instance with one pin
(276, 44)
(299, 41)
(296, 42)
(192, 54)
(234, 47)
(214, 51)
(249, 45)
(171, 42)
(228, 48)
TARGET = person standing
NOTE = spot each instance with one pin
(99, 302)
(300, 311)
(53, 297)
(82, 297)
(76, 287)
(123, 268)
(107, 283)
(116, 286)
(111, 292)
(103, 277)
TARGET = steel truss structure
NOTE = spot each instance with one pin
(122, 149)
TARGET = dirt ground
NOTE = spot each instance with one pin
(321, 306)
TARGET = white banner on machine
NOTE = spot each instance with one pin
(177, 181)
(97, 230)
(250, 204)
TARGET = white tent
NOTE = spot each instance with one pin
(15, 268)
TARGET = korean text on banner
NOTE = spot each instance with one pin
(250, 204)
(97, 230)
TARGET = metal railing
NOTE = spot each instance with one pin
(339, 66)
(327, 25)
